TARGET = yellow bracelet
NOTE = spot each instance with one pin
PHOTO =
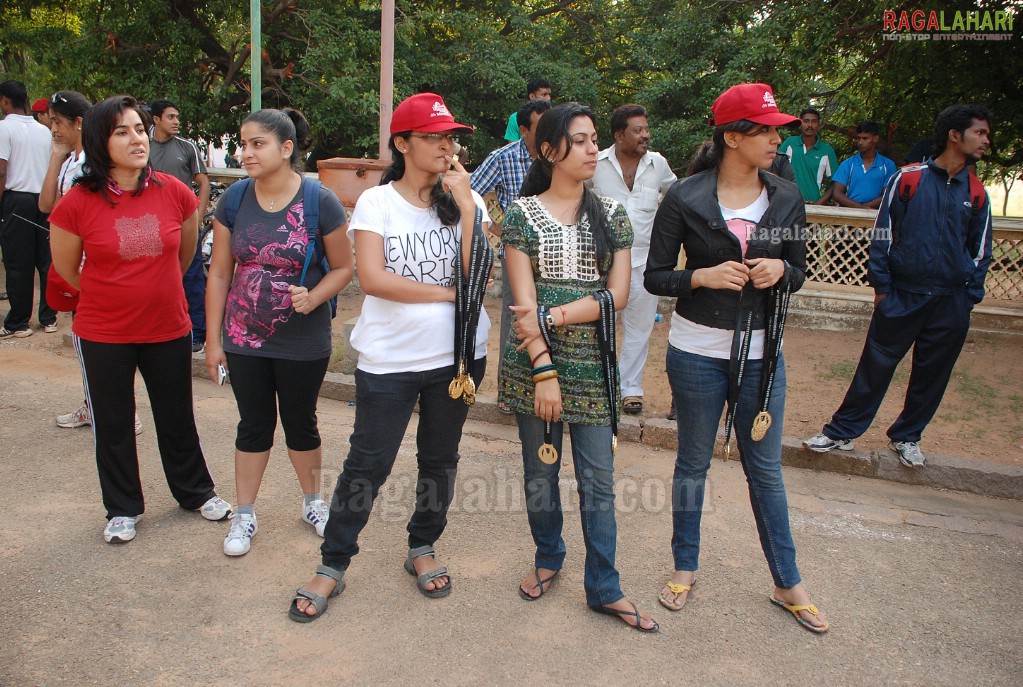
(544, 376)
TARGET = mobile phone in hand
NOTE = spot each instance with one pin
(221, 374)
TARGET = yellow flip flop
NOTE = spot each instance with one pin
(676, 589)
(809, 608)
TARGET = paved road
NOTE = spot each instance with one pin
(922, 586)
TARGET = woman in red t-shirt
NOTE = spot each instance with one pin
(139, 228)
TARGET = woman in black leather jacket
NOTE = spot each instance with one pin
(742, 231)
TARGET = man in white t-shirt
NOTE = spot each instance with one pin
(24, 233)
(637, 178)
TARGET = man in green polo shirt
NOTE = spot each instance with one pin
(538, 88)
(812, 159)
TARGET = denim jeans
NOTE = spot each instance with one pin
(594, 473)
(699, 386)
(383, 408)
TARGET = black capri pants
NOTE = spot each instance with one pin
(261, 385)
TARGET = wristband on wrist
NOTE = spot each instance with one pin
(544, 368)
(544, 376)
(564, 317)
(538, 356)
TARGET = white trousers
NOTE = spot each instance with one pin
(637, 324)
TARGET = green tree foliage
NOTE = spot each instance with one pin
(674, 56)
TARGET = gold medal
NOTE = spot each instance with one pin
(548, 454)
(457, 386)
(761, 423)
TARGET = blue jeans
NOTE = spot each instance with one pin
(699, 386)
(383, 408)
(594, 473)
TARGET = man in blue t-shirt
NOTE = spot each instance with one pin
(861, 179)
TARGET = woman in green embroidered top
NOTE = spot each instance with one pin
(563, 244)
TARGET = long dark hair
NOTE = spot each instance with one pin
(553, 129)
(287, 125)
(710, 153)
(69, 104)
(98, 126)
(441, 202)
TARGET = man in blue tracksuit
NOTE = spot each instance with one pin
(928, 259)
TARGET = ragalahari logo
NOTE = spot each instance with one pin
(769, 100)
(439, 110)
(939, 25)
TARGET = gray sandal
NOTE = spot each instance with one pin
(319, 601)
(421, 580)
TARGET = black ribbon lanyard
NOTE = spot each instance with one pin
(547, 453)
(742, 337)
(778, 308)
(609, 357)
(469, 294)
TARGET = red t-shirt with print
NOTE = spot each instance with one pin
(131, 279)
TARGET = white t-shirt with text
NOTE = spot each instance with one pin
(410, 337)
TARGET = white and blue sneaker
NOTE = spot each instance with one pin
(316, 514)
(120, 529)
(239, 538)
(822, 443)
(216, 509)
(909, 453)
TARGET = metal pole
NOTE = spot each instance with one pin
(256, 56)
(386, 74)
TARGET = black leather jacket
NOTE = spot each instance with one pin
(689, 217)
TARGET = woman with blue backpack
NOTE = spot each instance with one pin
(280, 253)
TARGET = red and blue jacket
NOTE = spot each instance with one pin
(937, 243)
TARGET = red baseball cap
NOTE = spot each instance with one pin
(425, 112)
(40, 105)
(60, 295)
(752, 101)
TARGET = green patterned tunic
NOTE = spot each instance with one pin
(564, 270)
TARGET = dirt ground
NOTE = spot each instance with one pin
(894, 566)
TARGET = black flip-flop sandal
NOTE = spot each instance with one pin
(634, 613)
(539, 585)
(319, 601)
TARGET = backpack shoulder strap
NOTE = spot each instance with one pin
(909, 181)
(977, 193)
(311, 204)
(311, 217)
(233, 199)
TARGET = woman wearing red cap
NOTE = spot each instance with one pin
(410, 234)
(741, 229)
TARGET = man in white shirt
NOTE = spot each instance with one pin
(24, 234)
(637, 178)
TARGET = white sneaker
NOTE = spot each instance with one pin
(239, 538)
(822, 443)
(316, 514)
(50, 328)
(120, 529)
(138, 425)
(76, 418)
(909, 453)
(216, 509)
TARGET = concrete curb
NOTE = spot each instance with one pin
(973, 476)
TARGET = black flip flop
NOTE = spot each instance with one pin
(621, 615)
(539, 585)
